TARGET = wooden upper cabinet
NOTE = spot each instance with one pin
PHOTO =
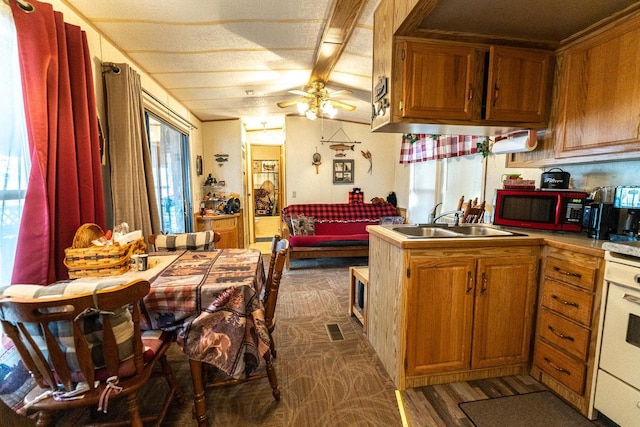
(519, 84)
(599, 108)
(445, 83)
(439, 81)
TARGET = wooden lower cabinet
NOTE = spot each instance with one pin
(468, 313)
(566, 332)
(229, 226)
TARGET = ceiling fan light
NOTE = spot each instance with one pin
(328, 109)
(311, 115)
(303, 107)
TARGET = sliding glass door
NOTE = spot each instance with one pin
(170, 160)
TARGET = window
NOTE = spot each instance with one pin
(14, 151)
(169, 158)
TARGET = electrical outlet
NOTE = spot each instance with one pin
(293, 195)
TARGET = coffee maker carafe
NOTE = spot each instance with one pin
(630, 227)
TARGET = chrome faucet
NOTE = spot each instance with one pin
(432, 214)
(455, 213)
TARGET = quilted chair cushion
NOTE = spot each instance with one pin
(91, 325)
(200, 241)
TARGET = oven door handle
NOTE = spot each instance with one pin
(631, 298)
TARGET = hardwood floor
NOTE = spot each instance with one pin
(438, 405)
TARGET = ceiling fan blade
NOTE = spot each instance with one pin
(340, 92)
(285, 104)
(302, 93)
(342, 105)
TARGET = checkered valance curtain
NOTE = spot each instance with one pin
(420, 148)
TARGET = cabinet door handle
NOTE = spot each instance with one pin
(470, 93)
(484, 283)
(469, 282)
(496, 92)
(556, 367)
(567, 273)
(561, 301)
(560, 335)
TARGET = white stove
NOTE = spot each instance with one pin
(617, 390)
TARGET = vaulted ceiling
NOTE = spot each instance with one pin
(236, 59)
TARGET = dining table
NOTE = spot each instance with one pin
(211, 299)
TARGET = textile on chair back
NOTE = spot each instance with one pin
(200, 241)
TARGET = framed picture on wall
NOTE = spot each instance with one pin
(343, 171)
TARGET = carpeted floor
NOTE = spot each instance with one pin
(323, 382)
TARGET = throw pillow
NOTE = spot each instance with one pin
(391, 220)
(304, 225)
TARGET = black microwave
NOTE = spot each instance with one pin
(557, 210)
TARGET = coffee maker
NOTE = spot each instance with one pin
(627, 199)
(601, 220)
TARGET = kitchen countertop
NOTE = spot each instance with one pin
(627, 248)
(578, 242)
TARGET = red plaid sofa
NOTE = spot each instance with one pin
(340, 228)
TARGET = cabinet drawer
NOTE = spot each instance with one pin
(573, 273)
(570, 302)
(560, 366)
(572, 338)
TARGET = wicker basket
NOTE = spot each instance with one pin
(94, 261)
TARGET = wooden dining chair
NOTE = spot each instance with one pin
(272, 287)
(205, 377)
(90, 344)
(200, 241)
(272, 261)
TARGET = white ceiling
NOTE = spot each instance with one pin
(210, 53)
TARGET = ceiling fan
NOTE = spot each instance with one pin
(316, 101)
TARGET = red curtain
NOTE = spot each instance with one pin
(65, 183)
(420, 148)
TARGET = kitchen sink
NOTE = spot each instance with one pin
(460, 231)
(425, 231)
(482, 231)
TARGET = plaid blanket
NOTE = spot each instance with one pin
(355, 212)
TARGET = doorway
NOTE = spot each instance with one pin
(266, 189)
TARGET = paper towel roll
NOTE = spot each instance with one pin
(515, 144)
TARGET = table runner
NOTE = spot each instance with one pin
(212, 299)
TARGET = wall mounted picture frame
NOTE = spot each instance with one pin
(343, 171)
(198, 165)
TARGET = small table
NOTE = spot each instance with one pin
(361, 275)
